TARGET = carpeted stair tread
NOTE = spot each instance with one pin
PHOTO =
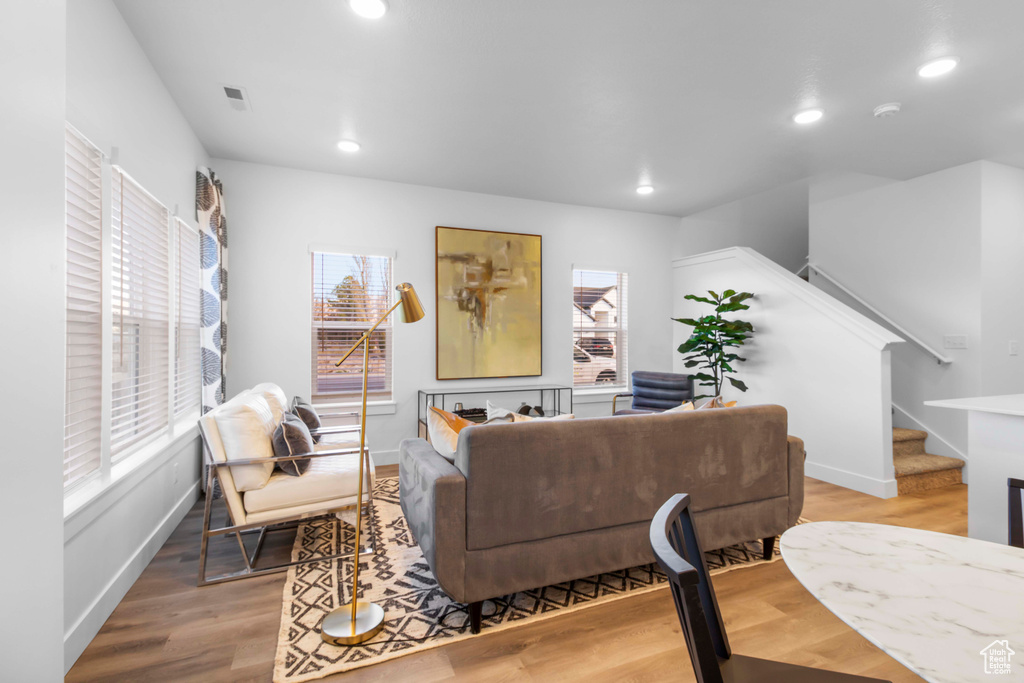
(922, 463)
(899, 434)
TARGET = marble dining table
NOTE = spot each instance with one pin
(949, 608)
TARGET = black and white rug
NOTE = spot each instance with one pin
(418, 614)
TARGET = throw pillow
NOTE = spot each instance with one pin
(292, 437)
(494, 411)
(443, 431)
(681, 408)
(716, 402)
(308, 414)
(245, 424)
(276, 399)
(516, 417)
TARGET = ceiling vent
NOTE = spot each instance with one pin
(884, 111)
(237, 98)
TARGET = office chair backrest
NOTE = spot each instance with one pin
(660, 390)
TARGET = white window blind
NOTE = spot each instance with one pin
(83, 388)
(350, 292)
(140, 289)
(187, 316)
(600, 336)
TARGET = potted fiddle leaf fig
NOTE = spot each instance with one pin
(712, 345)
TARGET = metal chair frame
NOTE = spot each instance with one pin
(284, 523)
(1016, 525)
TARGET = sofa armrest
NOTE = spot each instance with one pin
(797, 455)
(432, 492)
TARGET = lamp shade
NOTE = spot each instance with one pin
(412, 309)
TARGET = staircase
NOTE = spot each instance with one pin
(917, 470)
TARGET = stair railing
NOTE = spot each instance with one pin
(940, 358)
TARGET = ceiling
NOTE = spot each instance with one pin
(580, 101)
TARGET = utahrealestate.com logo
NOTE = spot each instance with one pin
(997, 657)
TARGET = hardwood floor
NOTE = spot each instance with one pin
(167, 629)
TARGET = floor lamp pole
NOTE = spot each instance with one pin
(358, 622)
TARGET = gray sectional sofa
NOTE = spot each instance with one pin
(528, 505)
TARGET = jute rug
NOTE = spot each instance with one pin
(418, 614)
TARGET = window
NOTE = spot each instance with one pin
(600, 340)
(133, 318)
(350, 292)
(83, 388)
(140, 294)
(188, 321)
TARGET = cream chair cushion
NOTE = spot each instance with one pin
(276, 399)
(246, 426)
(327, 479)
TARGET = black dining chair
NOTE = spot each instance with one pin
(1016, 512)
(675, 544)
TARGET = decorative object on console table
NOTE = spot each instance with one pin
(713, 338)
(356, 623)
(551, 399)
(488, 304)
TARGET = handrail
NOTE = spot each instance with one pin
(942, 360)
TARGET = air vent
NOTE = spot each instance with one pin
(237, 98)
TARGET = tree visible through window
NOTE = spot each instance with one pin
(350, 292)
(599, 329)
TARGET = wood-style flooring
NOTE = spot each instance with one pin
(167, 629)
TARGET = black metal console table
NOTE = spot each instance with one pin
(551, 399)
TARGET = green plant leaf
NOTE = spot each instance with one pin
(693, 297)
(737, 383)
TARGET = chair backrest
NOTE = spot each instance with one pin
(660, 390)
(1016, 512)
(677, 548)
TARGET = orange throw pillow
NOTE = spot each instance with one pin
(443, 431)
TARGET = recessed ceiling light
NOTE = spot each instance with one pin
(644, 189)
(807, 116)
(938, 67)
(371, 9)
(348, 146)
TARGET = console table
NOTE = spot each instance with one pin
(551, 397)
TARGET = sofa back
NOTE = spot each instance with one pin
(544, 479)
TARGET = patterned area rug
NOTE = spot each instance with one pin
(419, 616)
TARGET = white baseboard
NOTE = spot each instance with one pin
(78, 637)
(934, 444)
(882, 488)
(385, 457)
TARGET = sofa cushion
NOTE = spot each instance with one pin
(276, 399)
(681, 408)
(308, 414)
(494, 411)
(246, 425)
(327, 478)
(292, 438)
(443, 430)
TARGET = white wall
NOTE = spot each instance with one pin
(827, 364)
(116, 99)
(275, 214)
(773, 223)
(939, 254)
(32, 339)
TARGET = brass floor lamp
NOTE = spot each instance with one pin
(357, 622)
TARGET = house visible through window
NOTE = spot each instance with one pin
(599, 329)
(350, 292)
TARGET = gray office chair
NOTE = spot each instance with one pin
(654, 392)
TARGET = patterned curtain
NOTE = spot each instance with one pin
(213, 227)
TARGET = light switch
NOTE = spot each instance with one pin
(954, 341)
(1014, 347)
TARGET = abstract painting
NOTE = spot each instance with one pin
(488, 304)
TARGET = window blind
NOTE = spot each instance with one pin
(187, 316)
(140, 293)
(600, 336)
(83, 382)
(350, 292)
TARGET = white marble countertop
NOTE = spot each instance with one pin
(932, 601)
(1010, 404)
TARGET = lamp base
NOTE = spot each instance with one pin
(337, 627)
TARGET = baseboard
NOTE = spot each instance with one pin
(85, 629)
(881, 488)
(934, 444)
(384, 457)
